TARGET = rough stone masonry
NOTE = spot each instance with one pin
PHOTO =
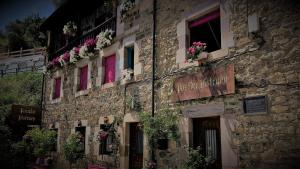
(266, 63)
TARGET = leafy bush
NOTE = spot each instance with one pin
(196, 160)
(164, 125)
(41, 140)
(74, 148)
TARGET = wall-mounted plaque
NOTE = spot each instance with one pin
(257, 104)
(24, 115)
(209, 82)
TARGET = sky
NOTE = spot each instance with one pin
(10, 10)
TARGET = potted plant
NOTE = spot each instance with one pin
(42, 142)
(74, 148)
(74, 55)
(160, 128)
(196, 52)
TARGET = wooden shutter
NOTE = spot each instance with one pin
(57, 85)
(110, 63)
(83, 78)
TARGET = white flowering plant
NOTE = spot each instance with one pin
(104, 39)
(70, 29)
(126, 6)
(127, 74)
(74, 55)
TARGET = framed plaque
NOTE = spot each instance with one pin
(256, 104)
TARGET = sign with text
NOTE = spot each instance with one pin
(256, 104)
(207, 83)
(24, 115)
(203, 110)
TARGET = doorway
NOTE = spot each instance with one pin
(136, 144)
(207, 135)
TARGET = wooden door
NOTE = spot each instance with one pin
(206, 134)
(136, 140)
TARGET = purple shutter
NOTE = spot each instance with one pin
(110, 69)
(205, 19)
(57, 88)
(83, 78)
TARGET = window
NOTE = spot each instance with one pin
(81, 130)
(106, 146)
(129, 58)
(83, 78)
(57, 88)
(207, 29)
(109, 65)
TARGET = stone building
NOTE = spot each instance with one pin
(241, 99)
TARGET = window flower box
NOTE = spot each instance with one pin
(127, 74)
(196, 52)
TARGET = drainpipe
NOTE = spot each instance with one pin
(153, 66)
(43, 95)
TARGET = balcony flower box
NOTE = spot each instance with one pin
(104, 39)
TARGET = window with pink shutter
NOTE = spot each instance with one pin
(57, 85)
(83, 78)
(109, 64)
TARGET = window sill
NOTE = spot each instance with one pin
(81, 93)
(126, 81)
(57, 100)
(212, 56)
(109, 85)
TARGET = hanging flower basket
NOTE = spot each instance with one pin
(102, 136)
(70, 29)
(126, 6)
(196, 52)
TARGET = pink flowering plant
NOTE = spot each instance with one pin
(194, 52)
(88, 48)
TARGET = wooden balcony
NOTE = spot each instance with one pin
(108, 24)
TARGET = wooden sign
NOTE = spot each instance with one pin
(203, 110)
(24, 115)
(209, 82)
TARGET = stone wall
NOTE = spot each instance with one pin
(265, 64)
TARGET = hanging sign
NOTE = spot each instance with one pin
(207, 83)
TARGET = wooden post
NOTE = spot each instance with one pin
(21, 51)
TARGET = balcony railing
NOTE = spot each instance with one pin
(108, 24)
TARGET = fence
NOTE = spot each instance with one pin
(21, 61)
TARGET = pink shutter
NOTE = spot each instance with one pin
(83, 78)
(110, 63)
(57, 88)
(205, 19)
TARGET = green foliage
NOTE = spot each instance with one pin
(164, 125)
(74, 148)
(23, 88)
(23, 33)
(196, 160)
(42, 141)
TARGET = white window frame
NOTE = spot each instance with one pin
(79, 65)
(183, 32)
